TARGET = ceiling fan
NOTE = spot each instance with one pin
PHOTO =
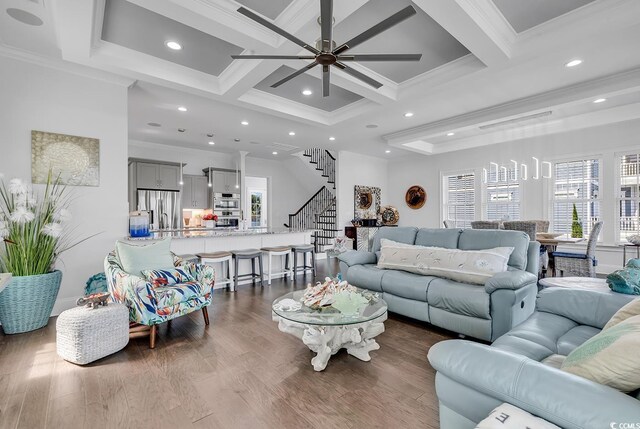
(325, 54)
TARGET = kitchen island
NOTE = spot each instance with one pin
(200, 240)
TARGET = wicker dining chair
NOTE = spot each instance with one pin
(485, 224)
(579, 264)
(528, 227)
(448, 224)
(541, 225)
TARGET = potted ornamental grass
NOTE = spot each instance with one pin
(32, 236)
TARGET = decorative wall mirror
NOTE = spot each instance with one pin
(366, 202)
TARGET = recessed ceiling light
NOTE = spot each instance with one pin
(573, 63)
(307, 92)
(24, 17)
(154, 124)
(600, 100)
(451, 134)
(408, 114)
(292, 133)
(244, 123)
(182, 109)
(210, 135)
(274, 153)
(182, 130)
(387, 151)
(371, 126)
(172, 44)
(332, 138)
(236, 140)
(212, 142)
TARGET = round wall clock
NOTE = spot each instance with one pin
(389, 215)
(415, 197)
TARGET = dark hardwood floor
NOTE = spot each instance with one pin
(240, 372)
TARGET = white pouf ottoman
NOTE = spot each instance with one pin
(84, 335)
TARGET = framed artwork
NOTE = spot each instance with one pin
(75, 159)
(415, 197)
(366, 202)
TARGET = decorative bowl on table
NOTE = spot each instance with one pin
(549, 235)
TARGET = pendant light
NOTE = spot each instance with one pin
(237, 184)
(209, 184)
(181, 174)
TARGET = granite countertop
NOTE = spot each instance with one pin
(217, 232)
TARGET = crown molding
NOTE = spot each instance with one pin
(65, 66)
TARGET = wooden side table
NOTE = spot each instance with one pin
(624, 252)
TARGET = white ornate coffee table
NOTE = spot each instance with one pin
(328, 330)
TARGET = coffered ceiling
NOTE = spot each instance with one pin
(483, 62)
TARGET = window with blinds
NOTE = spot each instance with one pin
(576, 184)
(502, 195)
(628, 195)
(459, 196)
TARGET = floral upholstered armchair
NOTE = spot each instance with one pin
(153, 303)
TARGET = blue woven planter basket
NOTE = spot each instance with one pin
(27, 301)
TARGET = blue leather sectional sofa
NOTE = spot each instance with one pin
(472, 379)
(484, 312)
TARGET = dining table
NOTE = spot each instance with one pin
(551, 244)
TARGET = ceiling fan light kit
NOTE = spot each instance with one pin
(326, 54)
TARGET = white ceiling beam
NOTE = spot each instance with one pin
(74, 24)
(477, 24)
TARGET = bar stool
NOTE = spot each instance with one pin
(278, 251)
(303, 249)
(251, 254)
(223, 258)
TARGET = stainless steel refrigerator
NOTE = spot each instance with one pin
(164, 207)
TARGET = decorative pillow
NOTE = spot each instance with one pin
(135, 258)
(468, 266)
(629, 310)
(506, 416)
(168, 276)
(609, 357)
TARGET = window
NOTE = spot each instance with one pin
(502, 195)
(459, 199)
(576, 184)
(629, 195)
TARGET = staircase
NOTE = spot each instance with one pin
(319, 212)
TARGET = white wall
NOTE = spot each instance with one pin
(356, 169)
(196, 160)
(39, 98)
(603, 142)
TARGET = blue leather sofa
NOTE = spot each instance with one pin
(484, 312)
(472, 379)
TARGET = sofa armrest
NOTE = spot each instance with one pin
(564, 399)
(357, 257)
(204, 274)
(510, 280)
(133, 291)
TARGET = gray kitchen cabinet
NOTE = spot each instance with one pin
(157, 176)
(219, 181)
(195, 193)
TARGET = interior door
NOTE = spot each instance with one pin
(257, 204)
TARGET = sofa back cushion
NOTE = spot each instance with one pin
(400, 234)
(438, 237)
(478, 239)
(475, 267)
(586, 307)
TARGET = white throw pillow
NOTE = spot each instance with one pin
(506, 416)
(629, 310)
(610, 357)
(467, 266)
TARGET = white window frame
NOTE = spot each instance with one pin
(513, 178)
(444, 195)
(618, 184)
(550, 187)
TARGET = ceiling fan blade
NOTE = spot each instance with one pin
(380, 57)
(355, 73)
(394, 19)
(325, 81)
(326, 21)
(292, 75)
(260, 20)
(272, 57)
